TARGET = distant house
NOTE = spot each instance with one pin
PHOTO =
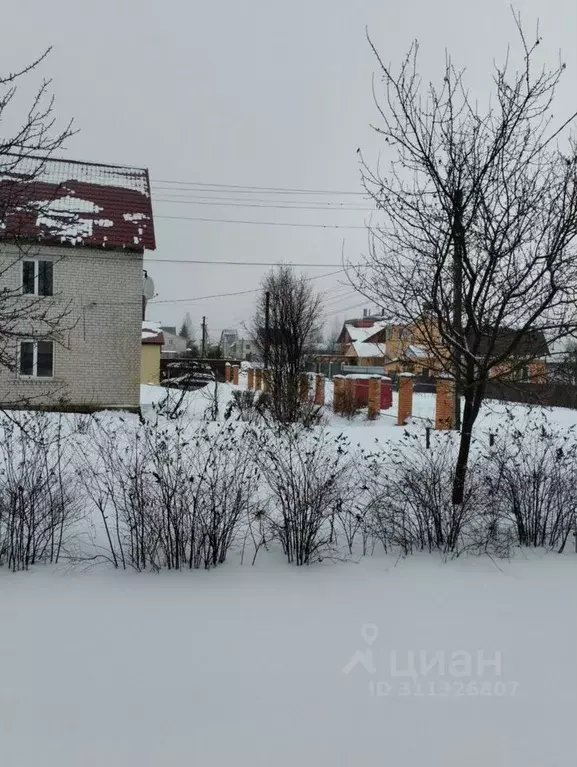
(528, 363)
(72, 240)
(152, 340)
(233, 346)
(173, 343)
(371, 342)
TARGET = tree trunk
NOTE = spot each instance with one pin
(469, 418)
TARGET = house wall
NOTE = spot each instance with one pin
(150, 364)
(173, 342)
(97, 360)
(534, 371)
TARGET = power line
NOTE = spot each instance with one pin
(244, 188)
(236, 293)
(264, 205)
(259, 223)
(152, 302)
(303, 264)
(347, 309)
(176, 195)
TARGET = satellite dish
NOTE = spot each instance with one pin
(148, 288)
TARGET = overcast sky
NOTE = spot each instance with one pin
(253, 93)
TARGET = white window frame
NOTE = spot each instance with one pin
(34, 376)
(36, 260)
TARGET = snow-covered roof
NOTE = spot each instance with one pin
(60, 201)
(417, 351)
(151, 333)
(361, 334)
(363, 349)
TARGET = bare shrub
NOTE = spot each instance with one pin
(247, 405)
(409, 497)
(349, 405)
(532, 481)
(170, 496)
(308, 477)
(39, 495)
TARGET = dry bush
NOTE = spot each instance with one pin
(308, 477)
(170, 496)
(40, 499)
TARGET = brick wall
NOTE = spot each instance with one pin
(98, 363)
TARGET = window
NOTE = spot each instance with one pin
(38, 278)
(37, 359)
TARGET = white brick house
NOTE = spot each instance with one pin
(71, 262)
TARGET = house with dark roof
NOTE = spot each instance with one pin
(72, 241)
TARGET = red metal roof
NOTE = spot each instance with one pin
(75, 203)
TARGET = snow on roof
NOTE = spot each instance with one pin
(363, 349)
(151, 333)
(60, 201)
(360, 334)
(417, 351)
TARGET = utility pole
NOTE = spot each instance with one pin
(458, 254)
(266, 329)
(203, 337)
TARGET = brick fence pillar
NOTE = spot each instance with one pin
(227, 372)
(338, 391)
(304, 387)
(235, 373)
(250, 378)
(258, 379)
(319, 390)
(266, 380)
(374, 402)
(405, 398)
(444, 404)
(349, 388)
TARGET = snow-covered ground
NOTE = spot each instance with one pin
(246, 665)
(274, 665)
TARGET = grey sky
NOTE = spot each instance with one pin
(260, 93)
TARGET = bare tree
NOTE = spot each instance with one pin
(284, 333)
(23, 157)
(476, 252)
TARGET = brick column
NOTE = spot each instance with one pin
(235, 372)
(338, 391)
(349, 387)
(320, 390)
(405, 398)
(227, 372)
(258, 379)
(266, 380)
(250, 378)
(374, 398)
(444, 404)
(304, 387)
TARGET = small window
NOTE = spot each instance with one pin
(45, 272)
(28, 277)
(37, 359)
(27, 358)
(38, 278)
